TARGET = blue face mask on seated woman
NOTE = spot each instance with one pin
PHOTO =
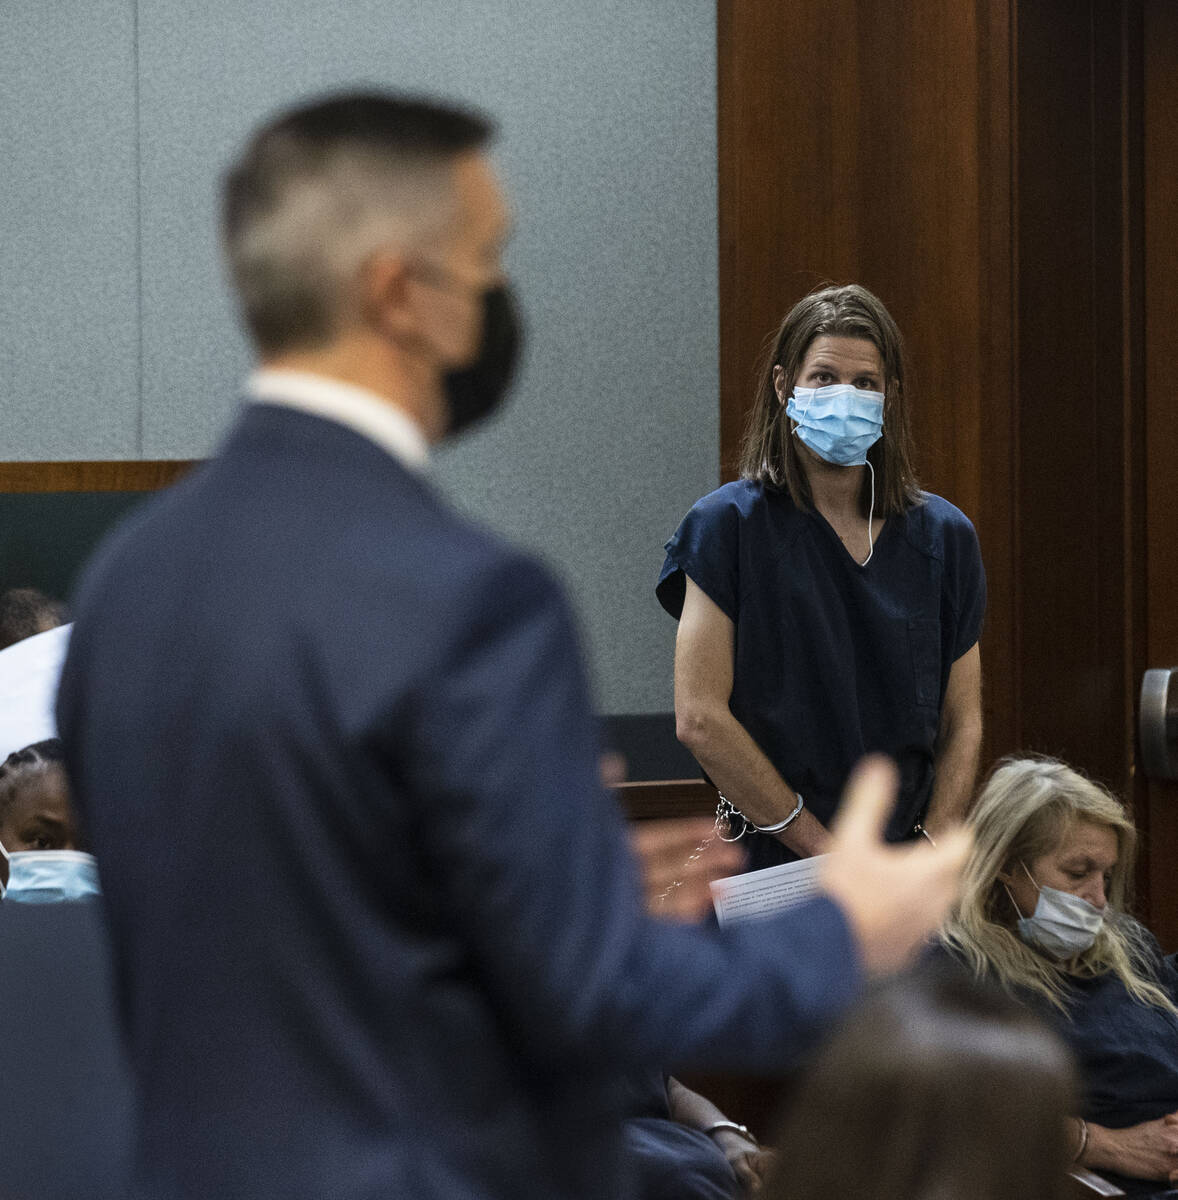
(50, 876)
(840, 423)
(1062, 925)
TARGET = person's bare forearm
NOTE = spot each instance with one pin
(742, 771)
(956, 771)
(959, 744)
(690, 1108)
(1145, 1151)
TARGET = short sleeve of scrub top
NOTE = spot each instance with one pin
(834, 660)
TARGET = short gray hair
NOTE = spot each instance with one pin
(320, 188)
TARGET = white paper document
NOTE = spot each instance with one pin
(765, 893)
(29, 672)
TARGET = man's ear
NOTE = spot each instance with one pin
(779, 384)
(383, 284)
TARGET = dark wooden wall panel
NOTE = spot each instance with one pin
(868, 141)
(843, 158)
(1059, 439)
(1076, 234)
(1158, 802)
(1161, 325)
(996, 517)
(980, 166)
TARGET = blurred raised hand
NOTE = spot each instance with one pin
(895, 897)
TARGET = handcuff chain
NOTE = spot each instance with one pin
(725, 812)
(677, 883)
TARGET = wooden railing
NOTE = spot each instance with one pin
(662, 799)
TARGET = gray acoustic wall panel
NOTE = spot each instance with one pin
(69, 335)
(608, 151)
(607, 148)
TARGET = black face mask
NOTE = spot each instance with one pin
(475, 391)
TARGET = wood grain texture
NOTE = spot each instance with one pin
(1002, 174)
(90, 476)
(850, 140)
(1161, 324)
(662, 799)
(996, 517)
(868, 141)
(1158, 802)
(1078, 383)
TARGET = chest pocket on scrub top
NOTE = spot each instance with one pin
(924, 647)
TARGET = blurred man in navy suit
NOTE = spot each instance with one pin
(377, 929)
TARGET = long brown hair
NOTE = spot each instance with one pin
(934, 1088)
(769, 454)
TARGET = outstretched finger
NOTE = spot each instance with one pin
(745, 1171)
(867, 802)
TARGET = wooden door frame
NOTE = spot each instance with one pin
(1157, 803)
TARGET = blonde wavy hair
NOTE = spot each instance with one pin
(1022, 814)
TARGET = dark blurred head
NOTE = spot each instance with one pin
(35, 808)
(935, 1088)
(25, 612)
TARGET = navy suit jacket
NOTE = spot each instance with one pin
(66, 1096)
(377, 929)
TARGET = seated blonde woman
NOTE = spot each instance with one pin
(1044, 914)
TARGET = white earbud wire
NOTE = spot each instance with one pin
(870, 518)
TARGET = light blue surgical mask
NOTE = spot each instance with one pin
(49, 876)
(840, 423)
(1062, 925)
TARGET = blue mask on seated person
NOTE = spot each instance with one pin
(50, 876)
(840, 423)
(1062, 925)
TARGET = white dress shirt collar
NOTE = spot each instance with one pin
(356, 407)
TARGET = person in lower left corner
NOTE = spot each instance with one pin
(26, 612)
(46, 853)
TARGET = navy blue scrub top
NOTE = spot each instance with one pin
(1126, 1051)
(834, 660)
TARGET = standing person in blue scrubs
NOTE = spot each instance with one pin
(827, 606)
